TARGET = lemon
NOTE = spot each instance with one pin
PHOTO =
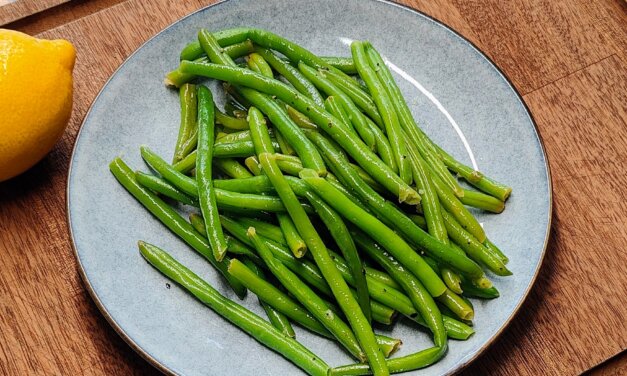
(35, 98)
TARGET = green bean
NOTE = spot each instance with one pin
(232, 168)
(339, 233)
(409, 362)
(249, 322)
(225, 200)
(380, 292)
(419, 296)
(258, 64)
(265, 229)
(482, 201)
(285, 147)
(359, 323)
(334, 108)
(256, 184)
(473, 291)
(345, 64)
(230, 122)
(164, 188)
(495, 250)
(225, 38)
(386, 109)
(474, 177)
(276, 318)
(375, 228)
(414, 135)
(292, 75)
(356, 117)
(220, 150)
(433, 216)
(318, 308)
(385, 210)
(295, 243)
(171, 219)
(300, 119)
(234, 246)
(452, 204)
(350, 142)
(253, 165)
(383, 145)
(187, 97)
(271, 295)
(307, 152)
(259, 132)
(455, 303)
(473, 247)
(233, 137)
(356, 94)
(205, 190)
(418, 220)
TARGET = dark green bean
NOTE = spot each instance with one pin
(252, 324)
(171, 219)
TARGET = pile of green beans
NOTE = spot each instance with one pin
(311, 154)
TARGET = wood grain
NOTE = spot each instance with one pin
(567, 57)
(15, 9)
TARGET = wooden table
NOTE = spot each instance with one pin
(566, 57)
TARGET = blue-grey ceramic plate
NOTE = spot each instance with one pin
(458, 96)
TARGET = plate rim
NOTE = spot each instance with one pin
(464, 362)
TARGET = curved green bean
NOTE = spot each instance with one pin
(300, 119)
(495, 250)
(230, 122)
(225, 38)
(405, 363)
(257, 63)
(187, 98)
(171, 219)
(252, 324)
